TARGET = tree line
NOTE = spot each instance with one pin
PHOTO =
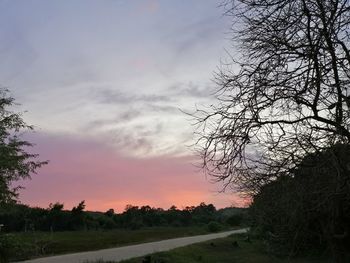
(19, 217)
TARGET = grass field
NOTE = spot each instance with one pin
(46, 243)
(222, 251)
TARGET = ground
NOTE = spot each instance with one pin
(33, 244)
(223, 251)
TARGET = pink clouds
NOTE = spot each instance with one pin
(87, 170)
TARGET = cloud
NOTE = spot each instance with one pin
(127, 134)
(106, 79)
(123, 118)
(191, 89)
(136, 140)
(136, 118)
(163, 108)
(110, 96)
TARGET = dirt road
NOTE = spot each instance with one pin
(120, 253)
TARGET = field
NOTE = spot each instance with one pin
(34, 244)
(226, 250)
(222, 251)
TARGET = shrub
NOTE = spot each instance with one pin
(214, 226)
(234, 220)
(12, 249)
(308, 212)
(6, 246)
(135, 224)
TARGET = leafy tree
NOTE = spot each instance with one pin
(309, 210)
(214, 226)
(110, 212)
(15, 161)
(56, 206)
(55, 215)
(78, 217)
(172, 208)
(286, 96)
(204, 213)
(79, 208)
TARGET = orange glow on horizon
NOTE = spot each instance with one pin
(104, 179)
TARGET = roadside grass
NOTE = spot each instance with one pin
(46, 243)
(222, 251)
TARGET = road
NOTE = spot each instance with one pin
(127, 252)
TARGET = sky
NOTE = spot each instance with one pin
(106, 84)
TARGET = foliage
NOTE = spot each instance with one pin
(55, 215)
(15, 162)
(10, 245)
(310, 210)
(55, 230)
(5, 248)
(78, 217)
(214, 226)
(285, 97)
(235, 220)
(18, 217)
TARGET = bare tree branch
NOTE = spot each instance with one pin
(287, 96)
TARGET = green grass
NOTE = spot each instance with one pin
(223, 251)
(47, 243)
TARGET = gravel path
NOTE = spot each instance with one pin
(121, 253)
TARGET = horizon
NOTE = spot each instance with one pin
(233, 206)
(105, 85)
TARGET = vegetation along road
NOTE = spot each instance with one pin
(127, 252)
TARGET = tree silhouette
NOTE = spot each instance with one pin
(15, 162)
(284, 97)
(311, 209)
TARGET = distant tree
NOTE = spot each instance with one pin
(204, 213)
(15, 160)
(130, 208)
(214, 226)
(286, 96)
(172, 208)
(55, 215)
(79, 208)
(56, 206)
(189, 209)
(146, 209)
(78, 216)
(110, 212)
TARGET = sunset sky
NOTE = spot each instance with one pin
(105, 82)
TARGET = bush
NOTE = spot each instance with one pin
(12, 249)
(297, 214)
(135, 224)
(108, 223)
(6, 246)
(214, 226)
(234, 220)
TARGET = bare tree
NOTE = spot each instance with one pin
(285, 97)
